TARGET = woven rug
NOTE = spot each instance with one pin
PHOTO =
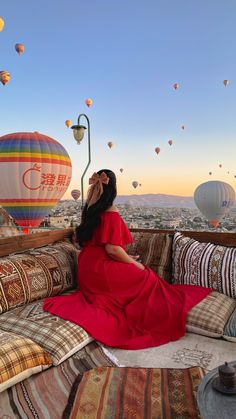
(45, 395)
(141, 393)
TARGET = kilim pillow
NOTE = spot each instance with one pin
(204, 264)
(210, 316)
(36, 274)
(155, 250)
(230, 328)
(19, 359)
(60, 338)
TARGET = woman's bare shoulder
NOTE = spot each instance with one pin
(113, 208)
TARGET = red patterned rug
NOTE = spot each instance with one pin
(141, 393)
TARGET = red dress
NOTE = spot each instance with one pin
(119, 304)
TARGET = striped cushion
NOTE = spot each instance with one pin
(230, 328)
(19, 359)
(60, 338)
(36, 274)
(204, 264)
(210, 316)
(154, 250)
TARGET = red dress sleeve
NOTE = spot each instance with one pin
(112, 230)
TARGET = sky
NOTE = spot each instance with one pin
(126, 55)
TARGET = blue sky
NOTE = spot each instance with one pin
(126, 55)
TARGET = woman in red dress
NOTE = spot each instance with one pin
(119, 301)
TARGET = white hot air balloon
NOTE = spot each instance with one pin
(214, 199)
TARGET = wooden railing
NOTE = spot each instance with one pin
(21, 243)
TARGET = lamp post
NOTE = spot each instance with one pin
(78, 132)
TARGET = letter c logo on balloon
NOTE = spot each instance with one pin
(32, 176)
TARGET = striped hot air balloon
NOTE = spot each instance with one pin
(35, 172)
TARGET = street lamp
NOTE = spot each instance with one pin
(78, 131)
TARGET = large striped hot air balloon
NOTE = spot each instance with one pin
(35, 172)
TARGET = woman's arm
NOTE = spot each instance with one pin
(119, 254)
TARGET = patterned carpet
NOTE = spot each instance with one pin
(45, 395)
(141, 393)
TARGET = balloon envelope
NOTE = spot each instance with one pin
(68, 123)
(88, 102)
(121, 170)
(176, 86)
(157, 150)
(214, 199)
(19, 48)
(226, 82)
(4, 77)
(1, 23)
(135, 184)
(110, 144)
(75, 193)
(35, 173)
(170, 142)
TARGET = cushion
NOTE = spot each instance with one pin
(37, 273)
(230, 328)
(60, 338)
(136, 393)
(204, 264)
(19, 358)
(155, 250)
(210, 316)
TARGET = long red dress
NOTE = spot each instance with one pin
(119, 304)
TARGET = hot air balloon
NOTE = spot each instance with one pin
(75, 193)
(226, 82)
(220, 165)
(20, 48)
(88, 102)
(121, 170)
(135, 184)
(157, 150)
(176, 86)
(210, 173)
(4, 77)
(1, 23)
(140, 184)
(68, 123)
(183, 126)
(170, 142)
(35, 173)
(110, 144)
(214, 199)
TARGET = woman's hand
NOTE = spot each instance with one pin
(139, 265)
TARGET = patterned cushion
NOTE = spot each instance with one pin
(60, 338)
(204, 264)
(19, 359)
(37, 273)
(210, 316)
(154, 250)
(230, 328)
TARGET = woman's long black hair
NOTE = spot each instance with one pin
(90, 218)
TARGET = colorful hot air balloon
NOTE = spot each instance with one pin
(75, 193)
(170, 142)
(110, 144)
(214, 199)
(20, 48)
(35, 173)
(176, 86)
(157, 150)
(135, 184)
(4, 77)
(88, 102)
(226, 82)
(68, 123)
(2, 23)
(121, 170)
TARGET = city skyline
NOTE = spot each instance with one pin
(127, 56)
